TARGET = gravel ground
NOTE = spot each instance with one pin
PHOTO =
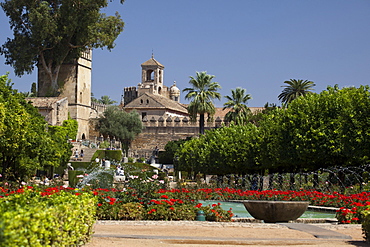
(204, 234)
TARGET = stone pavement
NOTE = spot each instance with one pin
(211, 234)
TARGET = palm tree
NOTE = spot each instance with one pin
(202, 93)
(294, 89)
(106, 100)
(238, 104)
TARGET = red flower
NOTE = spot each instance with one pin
(164, 196)
(152, 211)
(99, 204)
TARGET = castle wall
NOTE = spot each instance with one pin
(159, 131)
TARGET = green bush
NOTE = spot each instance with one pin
(116, 210)
(366, 223)
(34, 218)
(166, 211)
(73, 179)
(108, 155)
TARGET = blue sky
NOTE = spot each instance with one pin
(253, 44)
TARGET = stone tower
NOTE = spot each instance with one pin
(152, 74)
(77, 88)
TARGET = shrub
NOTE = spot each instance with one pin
(72, 177)
(172, 209)
(49, 218)
(366, 223)
(115, 155)
(112, 209)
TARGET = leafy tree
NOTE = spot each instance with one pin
(237, 102)
(256, 117)
(221, 151)
(60, 136)
(25, 143)
(319, 131)
(202, 92)
(34, 89)
(93, 99)
(106, 100)
(121, 125)
(294, 89)
(33, 92)
(48, 33)
(169, 155)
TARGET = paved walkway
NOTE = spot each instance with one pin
(211, 234)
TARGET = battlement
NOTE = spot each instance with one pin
(97, 109)
(129, 94)
(179, 122)
(87, 54)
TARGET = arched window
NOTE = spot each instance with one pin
(150, 75)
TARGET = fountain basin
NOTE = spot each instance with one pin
(275, 211)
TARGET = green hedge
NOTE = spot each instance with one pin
(73, 179)
(366, 223)
(37, 219)
(108, 155)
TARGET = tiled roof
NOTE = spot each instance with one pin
(153, 101)
(45, 102)
(152, 61)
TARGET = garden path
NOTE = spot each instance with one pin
(207, 234)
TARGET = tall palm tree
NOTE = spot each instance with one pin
(106, 100)
(202, 93)
(238, 104)
(294, 89)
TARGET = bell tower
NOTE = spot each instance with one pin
(152, 77)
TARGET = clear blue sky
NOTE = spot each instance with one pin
(253, 44)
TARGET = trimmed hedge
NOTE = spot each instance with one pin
(34, 218)
(366, 223)
(107, 154)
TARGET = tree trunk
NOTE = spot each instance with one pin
(50, 87)
(201, 124)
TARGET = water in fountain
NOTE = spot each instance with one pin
(97, 177)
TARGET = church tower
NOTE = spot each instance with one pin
(76, 77)
(152, 77)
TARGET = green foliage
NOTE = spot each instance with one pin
(55, 33)
(114, 155)
(366, 223)
(216, 213)
(237, 102)
(33, 218)
(119, 124)
(110, 210)
(221, 151)
(25, 143)
(168, 156)
(319, 130)
(169, 211)
(294, 89)
(106, 100)
(202, 92)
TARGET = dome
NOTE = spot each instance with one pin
(174, 90)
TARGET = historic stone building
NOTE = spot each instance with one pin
(163, 116)
(76, 78)
(54, 109)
